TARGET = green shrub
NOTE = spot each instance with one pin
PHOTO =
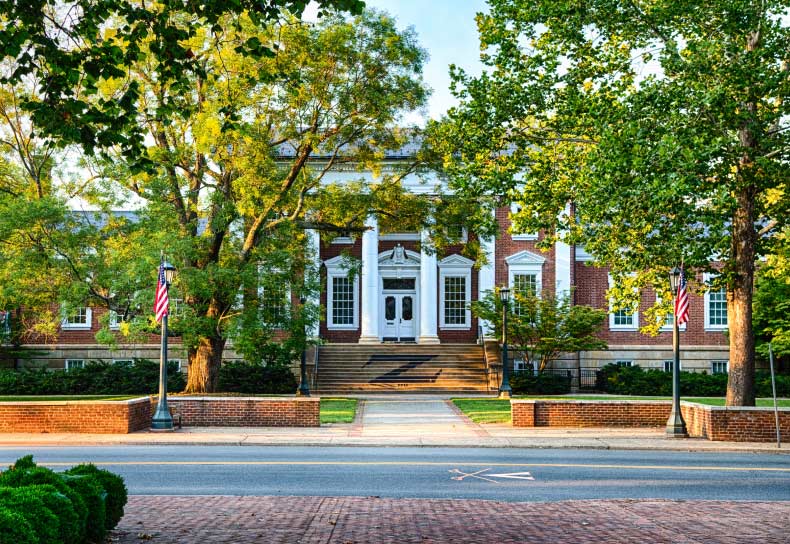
(94, 496)
(97, 378)
(15, 529)
(115, 489)
(252, 378)
(523, 383)
(15, 477)
(763, 385)
(60, 505)
(29, 504)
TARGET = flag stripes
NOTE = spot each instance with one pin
(682, 300)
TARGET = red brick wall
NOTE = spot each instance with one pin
(591, 286)
(246, 411)
(102, 417)
(328, 251)
(592, 413)
(734, 424)
(505, 247)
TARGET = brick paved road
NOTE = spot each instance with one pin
(347, 520)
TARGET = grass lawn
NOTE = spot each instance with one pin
(45, 398)
(338, 410)
(498, 411)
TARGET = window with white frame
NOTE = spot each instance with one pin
(624, 319)
(514, 234)
(668, 365)
(715, 306)
(182, 366)
(720, 367)
(342, 308)
(669, 320)
(624, 363)
(75, 363)
(525, 270)
(455, 292)
(114, 321)
(5, 323)
(274, 297)
(77, 319)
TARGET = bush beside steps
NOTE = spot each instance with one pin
(39, 506)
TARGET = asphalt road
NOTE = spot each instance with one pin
(454, 473)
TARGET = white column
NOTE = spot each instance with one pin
(370, 283)
(562, 264)
(313, 258)
(428, 293)
(562, 261)
(486, 276)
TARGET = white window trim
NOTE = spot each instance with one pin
(706, 278)
(342, 240)
(67, 364)
(456, 266)
(127, 360)
(336, 267)
(514, 209)
(630, 362)
(727, 371)
(114, 323)
(612, 326)
(86, 326)
(287, 302)
(177, 361)
(525, 262)
(401, 236)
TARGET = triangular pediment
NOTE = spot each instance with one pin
(525, 257)
(399, 257)
(456, 260)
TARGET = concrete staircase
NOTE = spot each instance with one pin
(397, 368)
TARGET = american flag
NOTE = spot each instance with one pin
(161, 303)
(682, 300)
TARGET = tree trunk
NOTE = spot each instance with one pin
(204, 363)
(740, 385)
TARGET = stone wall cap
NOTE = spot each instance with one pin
(713, 408)
(83, 402)
(176, 398)
(579, 401)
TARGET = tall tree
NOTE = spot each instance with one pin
(663, 124)
(244, 160)
(71, 47)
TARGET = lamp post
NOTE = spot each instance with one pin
(162, 420)
(505, 392)
(676, 427)
(304, 388)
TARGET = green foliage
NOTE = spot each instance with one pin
(86, 501)
(26, 474)
(91, 51)
(29, 504)
(527, 383)
(114, 487)
(253, 378)
(15, 528)
(664, 128)
(634, 380)
(98, 378)
(772, 302)
(544, 326)
(94, 496)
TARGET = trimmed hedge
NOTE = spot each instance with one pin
(252, 378)
(523, 383)
(96, 378)
(73, 508)
(623, 380)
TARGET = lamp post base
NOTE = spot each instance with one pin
(303, 392)
(505, 393)
(676, 427)
(162, 421)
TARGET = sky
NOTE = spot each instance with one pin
(448, 31)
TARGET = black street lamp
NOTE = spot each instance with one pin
(304, 388)
(676, 427)
(505, 392)
(162, 420)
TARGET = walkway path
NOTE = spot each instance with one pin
(352, 520)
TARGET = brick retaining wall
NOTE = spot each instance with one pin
(736, 424)
(83, 416)
(580, 413)
(247, 411)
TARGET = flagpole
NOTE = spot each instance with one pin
(162, 420)
(676, 427)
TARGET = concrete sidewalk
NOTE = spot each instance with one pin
(401, 421)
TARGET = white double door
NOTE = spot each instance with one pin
(399, 310)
